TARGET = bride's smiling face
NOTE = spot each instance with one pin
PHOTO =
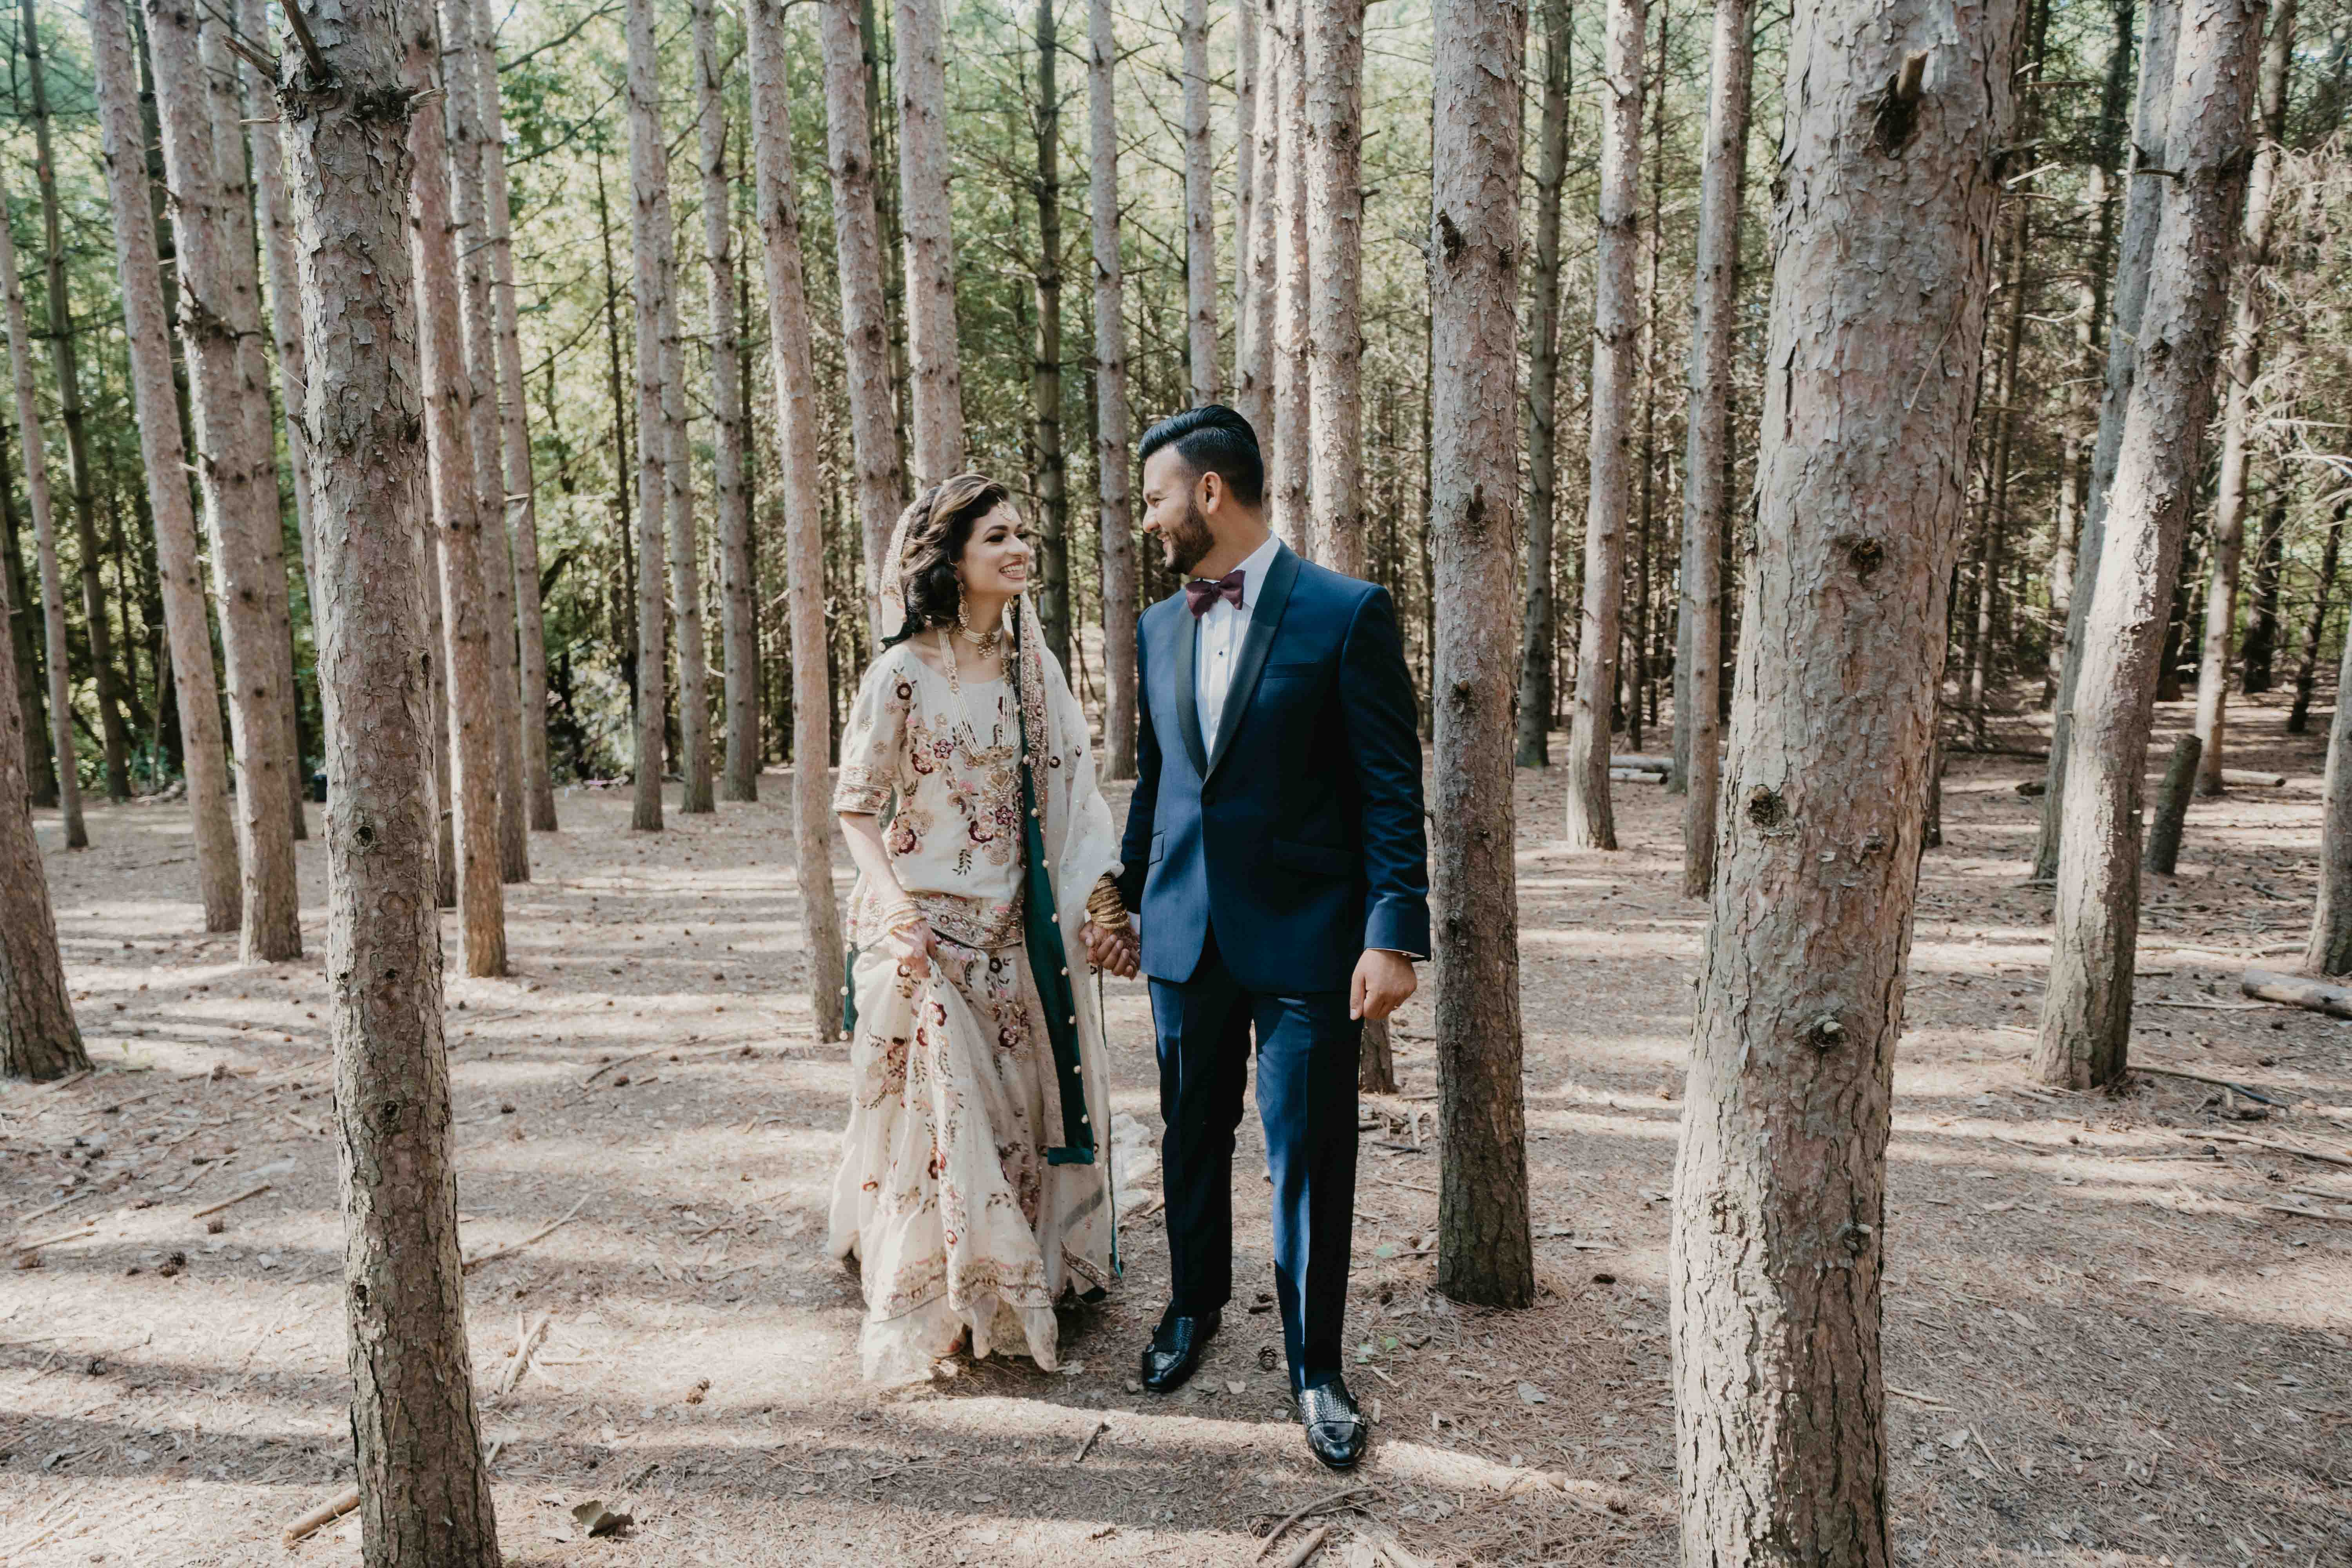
(997, 558)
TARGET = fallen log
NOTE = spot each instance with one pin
(2247, 778)
(2297, 991)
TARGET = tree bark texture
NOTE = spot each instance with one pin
(2241, 364)
(1335, 266)
(1289, 458)
(2330, 948)
(425, 1494)
(1616, 333)
(864, 320)
(2144, 201)
(237, 477)
(1114, 422)
(147, 332)
(1535, 705)
(32, 701)
(460, 552)
(45, 542)
(738, 631)
(1200, 207)
(695, 795)
(2086, 1011)
(1052, 591)
(1486, 1251)
(1882, 258)
(521, 488)
(923, 212)
(1253, 212)
(1706, 468)
(649, 206)
(276, 223)
(113, 736)
(463, 115)
(801, 483)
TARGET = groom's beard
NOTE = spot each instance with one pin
(1190, 542)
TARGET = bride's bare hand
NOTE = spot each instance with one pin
(911, 946)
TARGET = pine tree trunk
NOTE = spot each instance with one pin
(2306, 669)
(649, 206)
(237, 478)
(2144, 200)
(45, 541)
(1252, 321)
(799, 482)
(2086, 1013)
(923, 159)
(1114, 424)
(864, 320)
(1615, 332)
(739, 633)
(1051, 593)
(1289, 454)
(2171, 813)
(1707, 467)
(1200, 205)
(425, 1494)
(520, 487)
(2330, 949)
(1485, 1250)
(112, 693)
(1335, 265)
(1890, 195)
(278, 255)
(2242, 364)
(694, 794)
(38, 1038)
(463, 114)
(40, 768)
(1543, 396)
(2258, 655)
(461, 549)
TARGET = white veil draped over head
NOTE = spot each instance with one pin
(1081, 845)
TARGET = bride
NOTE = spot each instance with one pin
(973, 1186)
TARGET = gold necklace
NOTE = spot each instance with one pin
(990, 644)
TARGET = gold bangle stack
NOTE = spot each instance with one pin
(1105, 907)
(901, 916)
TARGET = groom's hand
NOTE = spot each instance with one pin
(1114, 951)
(1383, 982)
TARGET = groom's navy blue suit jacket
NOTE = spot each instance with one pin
(1298, 841)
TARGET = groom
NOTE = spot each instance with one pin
(1274, 851)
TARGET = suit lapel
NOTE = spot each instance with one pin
(1266, 620)
(1188, 708)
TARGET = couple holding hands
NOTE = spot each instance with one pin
(1271, 883)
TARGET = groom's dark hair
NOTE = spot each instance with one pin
(1212, 439)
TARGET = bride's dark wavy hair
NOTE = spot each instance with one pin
(938, 526)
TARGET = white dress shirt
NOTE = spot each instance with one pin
(1224, 626)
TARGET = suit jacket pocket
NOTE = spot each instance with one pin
(1159, 847)
(1316, 859)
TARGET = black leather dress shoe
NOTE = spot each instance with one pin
(1175, 1350)
(1336, 1429)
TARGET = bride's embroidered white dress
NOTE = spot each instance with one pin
(974, 1186)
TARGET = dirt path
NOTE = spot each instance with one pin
(2104, 1348)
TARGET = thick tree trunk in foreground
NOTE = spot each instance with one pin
(238, 479)
(1536, 634)
(1113, 422)
(1253, 210)
(538, 778)
(2086, 1013)
(2330, 949)
(649, 206)
(1707, 500)
(114, 736)
(923, 208)
(147, 332)
(38, 1038)
(1780, 1187)
(45, 541)
(864, 320)
(425, 1494)
(1052, 591)
(462, 111)
(2243, 363)
(1287, 454)
(1200, 207)
(1486, 1251)
(1335, 266)
(460, 552)
(799, 482)
(2144, 201)
(739, 630)
(1615, 337)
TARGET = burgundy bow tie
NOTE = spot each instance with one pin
(1201, 593)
